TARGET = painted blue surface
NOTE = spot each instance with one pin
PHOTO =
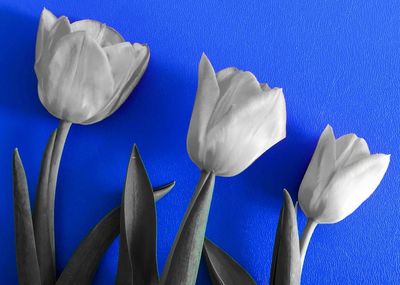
(338, 62)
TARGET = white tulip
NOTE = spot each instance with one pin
(342, 174)
(85, 70)
(235, 119)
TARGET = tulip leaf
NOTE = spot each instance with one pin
(43, 216)
(223, 269)
(27, 262)
(183, 261)
(83, 264)
(286, 264)
(137, 263)
(161, 191)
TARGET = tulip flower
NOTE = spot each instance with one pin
(235, 120)
(85, 70)
(342, 174)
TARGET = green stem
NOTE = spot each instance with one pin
(184, 258)
(44, 204)
(305, 238)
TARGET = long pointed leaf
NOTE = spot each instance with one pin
(223, 269)
(44, 204)
(184, 258)
(83, 264)
(137, 262)
(286, 264)
(27, 263)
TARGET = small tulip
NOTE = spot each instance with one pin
(85, 70)
(235, 119)
(342, 174)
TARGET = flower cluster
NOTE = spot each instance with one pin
(85, 71)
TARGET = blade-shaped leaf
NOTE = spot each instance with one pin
(286, 265)
(27, 263)
(83, 264)
(43, 219)
(183, 261)
(137, 263)
(223, 269)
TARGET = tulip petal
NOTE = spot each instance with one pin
(350, 148)
(360, 151)
(344, 145)
(140, 59)
(104, 35)
(123, 59)
(224, 78)
(206, 98)
(60, 28)
(328, 157)
(236, 89)
(317, 175)
(78, 82)
(259, 125)
(142, 55)
(351, 186)
(47, 21)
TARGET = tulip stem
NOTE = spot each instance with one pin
(43, 218)
(184, 258)
(305, 238)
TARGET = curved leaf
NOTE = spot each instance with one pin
(83, 264)
(223, 269)
(27, 262)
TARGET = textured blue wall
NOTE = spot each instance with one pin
(338, 62)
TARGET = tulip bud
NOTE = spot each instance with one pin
(342, 174)
(235, 119)
(85, 70)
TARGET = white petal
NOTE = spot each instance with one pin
(244, 134)
(139, 59)
(225, 75)
(47, 21)
(318, 172)
(265, 87)
(236, 90)
(344, 145)
(351, 186)
(60, 28)
(78, 82)
(350, 148)
(206, 98)
(123, 62)
(100, 32)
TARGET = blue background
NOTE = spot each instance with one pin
(337, 61)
